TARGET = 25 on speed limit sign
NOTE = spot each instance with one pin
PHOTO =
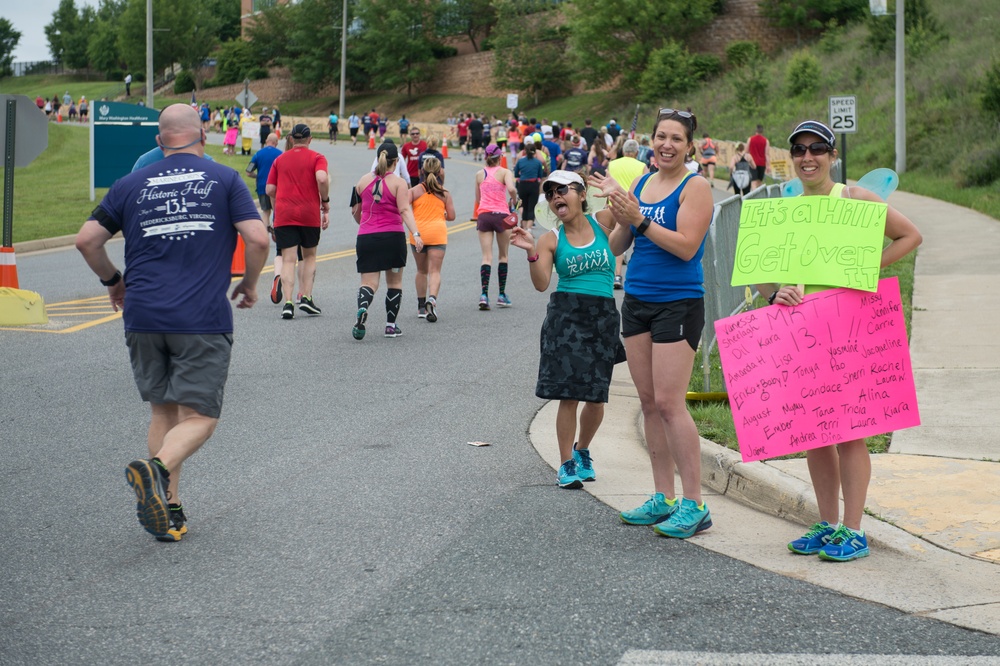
(844, 114)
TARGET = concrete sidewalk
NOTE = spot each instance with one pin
(934, 500)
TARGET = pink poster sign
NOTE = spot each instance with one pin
(835, 368)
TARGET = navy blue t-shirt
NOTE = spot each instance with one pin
(177, 220)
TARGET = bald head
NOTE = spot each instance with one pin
(272, 140)
(180, 129)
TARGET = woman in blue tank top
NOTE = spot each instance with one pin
(666, 217)
(579, 339)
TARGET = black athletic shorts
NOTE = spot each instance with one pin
(354, 131)
(381, 251)
(665, 322)
(758, 173)
(475, 141)
(293, 234)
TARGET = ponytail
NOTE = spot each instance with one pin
(383, 166)
(432, 176)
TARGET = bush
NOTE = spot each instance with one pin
(740, 53)
(706, 66)
(237, 60)
(184, 82)
(441, 51)
(982, 167)
(990, 100)
(750, 83)
(802, 76)
(670, 71)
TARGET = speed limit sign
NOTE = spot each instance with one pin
(844, 114)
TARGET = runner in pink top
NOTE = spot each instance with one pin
(496, 197)
(380, 204)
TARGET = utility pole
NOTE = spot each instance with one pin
(343, 60)
(149, 54)
(900, 88)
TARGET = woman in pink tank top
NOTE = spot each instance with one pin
(381, 206)
(496, 197)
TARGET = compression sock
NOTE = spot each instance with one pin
(484, 277)
(393, 299)
(365, 297)
(502, 276)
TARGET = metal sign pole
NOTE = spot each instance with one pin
(8, 176)
(843, 159)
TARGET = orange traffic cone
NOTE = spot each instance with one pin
(239, 258)
(8, 268)
(503, 160)
(371, 141)
(444, 149)
(59, 117)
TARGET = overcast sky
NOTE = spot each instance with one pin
(30, 18)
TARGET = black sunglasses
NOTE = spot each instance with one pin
(818, 148)
(561, 190)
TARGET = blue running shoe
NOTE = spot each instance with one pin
(655, 510)
(359, 327)
(567, 475)
(812, 541)
(687, 521)
(484, 302)
(151, 495)
(845, 545)
(584, 464)
(503, 301)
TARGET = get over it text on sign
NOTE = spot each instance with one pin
(810, 240)
(835, 368)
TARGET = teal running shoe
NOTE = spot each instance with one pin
(359, 327)
(584, 464)
(812, 541)
(687, 521)
(845, 545)
(567, 475)
(503, 301)
(655, 510)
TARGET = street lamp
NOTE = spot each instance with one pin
(879, 8)
(343, 60)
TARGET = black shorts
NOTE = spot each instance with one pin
(174, 368)
(758, 173)
(294, 235)
(381, 251)
(665, 322)
(475, 141)
(462, 140)
(265, 202)
(354, 131)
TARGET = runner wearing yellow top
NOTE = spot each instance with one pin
(625, 170)
(432, 207)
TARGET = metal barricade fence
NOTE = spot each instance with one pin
(721, 298)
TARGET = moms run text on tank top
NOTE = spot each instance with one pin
(585, 270)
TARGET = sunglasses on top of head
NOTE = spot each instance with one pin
(561, 190)
(818, 148)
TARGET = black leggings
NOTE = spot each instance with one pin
(528, 192)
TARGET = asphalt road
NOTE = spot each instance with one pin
(339, 516)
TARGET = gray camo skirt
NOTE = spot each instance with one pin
(579, 343)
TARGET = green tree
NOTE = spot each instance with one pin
(473, 18)
(917, 19)
(227, 17)
(802, 75)
(9, 38)
(813, 15)
(237, 60)
(530, 53)
(62, 33)
(750, 84)
(184, 32)
(102, 47)
(612, 38)
(315, 40)
(396, 48)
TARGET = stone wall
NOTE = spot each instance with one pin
(274, 90)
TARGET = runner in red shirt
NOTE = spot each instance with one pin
(757, 146)
(410, 154)
(463, 132)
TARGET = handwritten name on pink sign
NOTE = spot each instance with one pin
(835, 368)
